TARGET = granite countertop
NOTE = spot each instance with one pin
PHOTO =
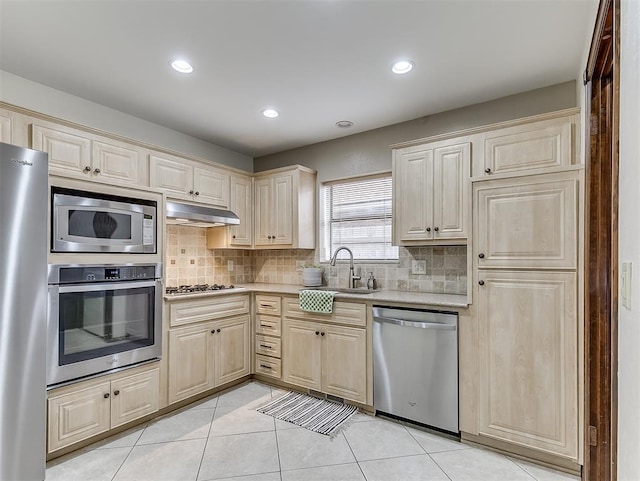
(381, 296)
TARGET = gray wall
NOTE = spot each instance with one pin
(40, 98)
(369, 151)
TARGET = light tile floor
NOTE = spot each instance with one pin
(224, 437)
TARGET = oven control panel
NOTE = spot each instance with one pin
(101, 273)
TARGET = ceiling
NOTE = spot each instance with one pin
(316, 62)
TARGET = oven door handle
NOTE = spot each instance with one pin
(108, 286)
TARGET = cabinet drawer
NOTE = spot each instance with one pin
(343, 312)
(271, 326)
(269, 346)
(189, 311)
(268, 366)
(268, 305)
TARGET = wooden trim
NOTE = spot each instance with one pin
(601, 249)
(484, 128)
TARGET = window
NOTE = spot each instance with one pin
(356, 213)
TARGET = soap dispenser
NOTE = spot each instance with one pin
(371, 282)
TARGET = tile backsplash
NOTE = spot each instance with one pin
(188, 261)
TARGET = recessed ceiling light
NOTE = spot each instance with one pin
(270, 113)
(344, 124)
(182, 66)
(402, 67)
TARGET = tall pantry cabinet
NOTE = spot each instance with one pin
(527, 270)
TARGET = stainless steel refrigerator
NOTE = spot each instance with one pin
(23, 312)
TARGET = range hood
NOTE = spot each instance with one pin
(191, 215)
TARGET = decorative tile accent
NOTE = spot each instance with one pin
(446, 267)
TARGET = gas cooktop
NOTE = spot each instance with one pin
(198, 288)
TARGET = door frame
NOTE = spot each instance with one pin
(602, 82)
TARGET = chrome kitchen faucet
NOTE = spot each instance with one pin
(352, 277)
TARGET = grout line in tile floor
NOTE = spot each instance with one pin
(446, 463)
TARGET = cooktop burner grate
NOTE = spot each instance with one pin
(197, 288)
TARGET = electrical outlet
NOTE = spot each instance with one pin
(299, 265)
(418, 267)
(230, 265)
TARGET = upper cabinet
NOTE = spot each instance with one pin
(284, 208)
(241, 204)
(78, 154)
(13, 128)
(186, 180)
(431, 193)
(520, 149)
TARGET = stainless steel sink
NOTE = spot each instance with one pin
(346, 290)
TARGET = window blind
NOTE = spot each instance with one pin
(356, 213)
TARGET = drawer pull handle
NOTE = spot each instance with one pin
(266, 366)
(264, 346)
(268, 306)
(262, 324)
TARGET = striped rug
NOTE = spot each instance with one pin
(319, 415)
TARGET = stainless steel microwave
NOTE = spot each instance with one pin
(95, 222)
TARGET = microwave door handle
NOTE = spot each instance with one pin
(105, 286)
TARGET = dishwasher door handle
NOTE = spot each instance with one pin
(421, 325)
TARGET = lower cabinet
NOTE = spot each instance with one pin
(326, 358)
(77, 415)
(207, 355)
(528, 371)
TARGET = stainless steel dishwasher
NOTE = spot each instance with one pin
(415, 365)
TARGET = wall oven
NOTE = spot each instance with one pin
(102, 317)
(94, 222)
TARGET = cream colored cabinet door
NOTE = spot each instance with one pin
(6, 127)
(344, 362)
(528, 371)
(134, 397)
(540, 145)
(117, 164)
(232, 359)
(531, 223)
(262, 230)
(282, 209)
(413, 184)
(78, 415)
(301, 354)
(69, 152)
(14, 128)
(191, 361)
(172, 176)
(451, 170)
(211, 186)
(241, 204)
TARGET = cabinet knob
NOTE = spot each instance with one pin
(197, 193)
(428, 229)
(481, 283)
(481, 255)
(217, 330)
(317, 333)
(213, 331)
(487, 170)
(87, 168)
(116, 392)
(233, 236)
(106, 395)
(436, 229)
(322, 333)
(191, 192)
(96, 170)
